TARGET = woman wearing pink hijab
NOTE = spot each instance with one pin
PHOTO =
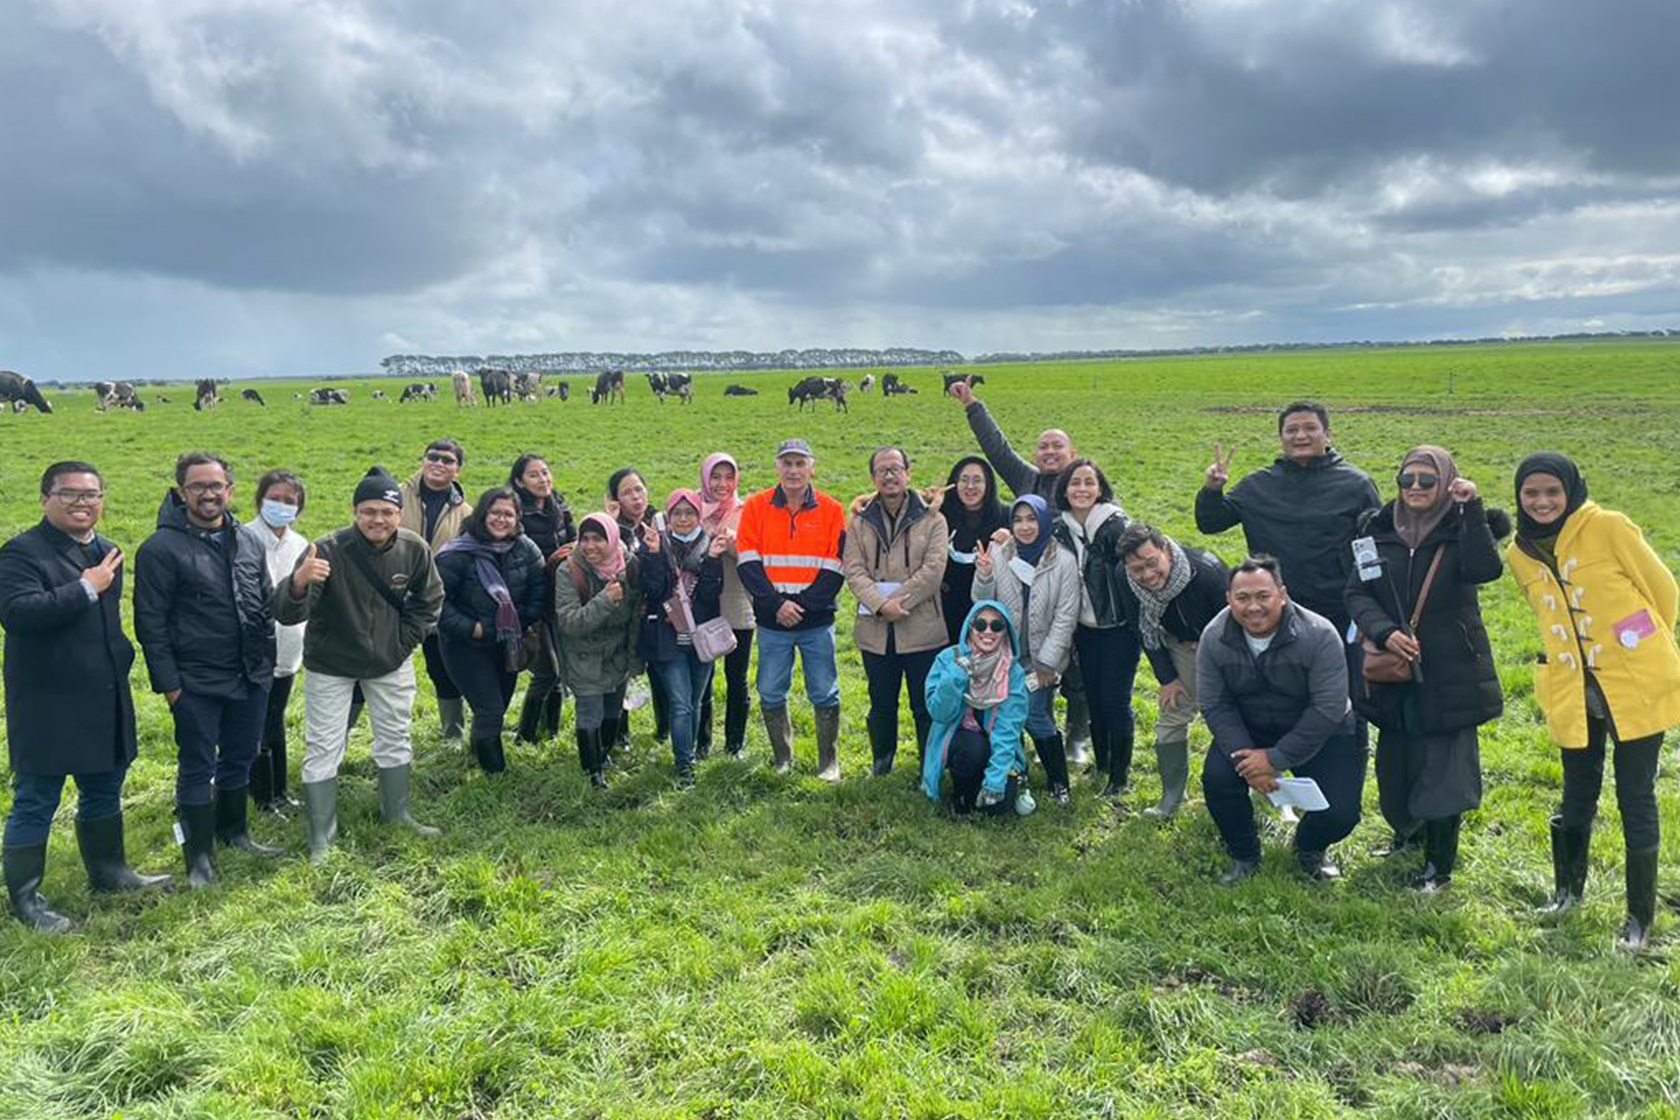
(597, 607)
(720, 513)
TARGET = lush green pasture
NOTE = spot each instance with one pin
(769, 947)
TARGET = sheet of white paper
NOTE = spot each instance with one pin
(1302, 793)
(887, 588)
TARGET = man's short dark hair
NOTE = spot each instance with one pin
(68, 466)
(279, 476)
(1259, 562)
(1105, 492)
(1138, 534)
(449, 445)
(1313, 407)
(882, 450)
(199, 459)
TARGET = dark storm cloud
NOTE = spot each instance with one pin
(982, 175)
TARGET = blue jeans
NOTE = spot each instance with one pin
(1041, 712)
(36, 797)
(216, 741)
(775, 666)
(687, 679)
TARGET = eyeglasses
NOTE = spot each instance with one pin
(79, 497)
(501, 515)
(996, 626)
(205, 487)
(887, 469)
(1419, 480)
(440, 457)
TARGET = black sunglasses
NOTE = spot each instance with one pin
(1422, 481)
(996, 626)
(439, 457)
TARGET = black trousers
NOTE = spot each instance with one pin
(1339, 770)
(476, 669)
(1108, 658)
(737, 698)
(888, 674)
(442, 683)
(268, 771)
(215, 741)
(967, 758)
(1636, 782)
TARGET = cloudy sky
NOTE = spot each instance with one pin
(303, 186)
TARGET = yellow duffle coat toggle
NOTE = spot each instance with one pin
(1609, 608)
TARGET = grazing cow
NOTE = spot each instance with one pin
(527, 386)
(739, 391)
(117, 394)
(253, 396)
(972, 379)
(679, 385)
(814, 389)
(891, 386)
(414, 392)
(161, 399)
(379, 395)
(205, 395)
(328, 396)
(20, 391)
(867, 383)
(656, 382)
(561, 389)
(608, 385)
(497, 385)
(463, 387)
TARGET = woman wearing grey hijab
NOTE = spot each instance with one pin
(1434, 532)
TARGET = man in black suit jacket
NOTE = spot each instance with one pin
(68, 707)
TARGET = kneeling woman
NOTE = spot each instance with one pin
(1609, 670)
(1437, 544)
(977, 698)
(1037, 579)
(597, 607)
(682, 580)
(492, 593)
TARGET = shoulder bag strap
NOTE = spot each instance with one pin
(1423, 595)
(359, 558)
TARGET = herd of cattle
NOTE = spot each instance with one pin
(495, 386)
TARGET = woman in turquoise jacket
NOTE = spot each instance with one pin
(977, 698)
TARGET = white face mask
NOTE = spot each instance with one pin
(688, 537)
(278, 515)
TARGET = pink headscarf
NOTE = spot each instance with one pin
(683, 494)
(615, 551)
(715, 513)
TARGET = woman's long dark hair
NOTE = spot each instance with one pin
(477, 524)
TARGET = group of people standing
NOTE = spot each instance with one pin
(1346, 609)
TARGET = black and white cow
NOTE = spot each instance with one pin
(20, 392)
(328, 396)
(972, 379)
(739, 391)
(205, 394)
(416, 391)
(867, 383)
(117, 394)
(814, 389)
(609, 384)
(497, 385)
(527, 386)
(253, 396)
(891, 386)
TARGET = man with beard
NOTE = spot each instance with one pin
(1051, 456)
(1274, 692)
(370, 593)
(201, 612)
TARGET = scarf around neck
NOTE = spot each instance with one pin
(1414, 526)
(1153, 604)
(615, 551)
(486, 555)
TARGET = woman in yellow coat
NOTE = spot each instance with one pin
(1610, 670)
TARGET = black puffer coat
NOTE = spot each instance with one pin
(1101, 568)
(1460, 687)
(465, 601)
(201, 606)
(658, 638)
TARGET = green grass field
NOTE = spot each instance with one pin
(770, 947)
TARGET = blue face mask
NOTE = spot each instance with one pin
(688, 537)
(278, 515)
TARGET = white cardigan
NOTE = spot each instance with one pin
(283, 553)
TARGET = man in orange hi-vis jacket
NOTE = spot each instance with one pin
(789, 548)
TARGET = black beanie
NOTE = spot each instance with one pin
(377, 486)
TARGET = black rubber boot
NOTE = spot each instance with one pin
(233, 827)
(1635, 936)
(1053, 756)
(24, 868)
(1570, 850)
(488, 751)
(281, 798)
(552, 704)
(615, 735)
(198, 840)
(1119, 749)
(1440, 854)
(883, 746)
(735, 716)
(106, 858)
(530, 717)
(262, 780)
(1239, 870)
(1318, 866)
(1079, 744)
(592, 750)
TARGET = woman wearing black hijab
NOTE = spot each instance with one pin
(1609, 671)
(972, 510)
(1436, 533)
